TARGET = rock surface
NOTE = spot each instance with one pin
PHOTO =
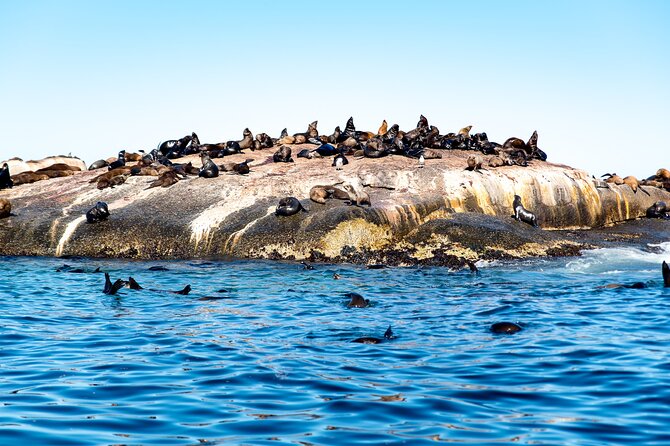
(439, 214)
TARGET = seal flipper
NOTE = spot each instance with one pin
(666, 275)
(388, 334)
(108, 284)
(133, 285)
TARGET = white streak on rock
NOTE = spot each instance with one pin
(69, 230)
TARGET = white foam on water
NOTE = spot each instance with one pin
(608, 261)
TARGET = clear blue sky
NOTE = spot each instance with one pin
(92, 77)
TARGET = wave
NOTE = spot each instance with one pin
(622, 259)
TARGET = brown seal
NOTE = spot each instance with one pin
(28, 177)
(465, 131)
(166, 179)
(5, 208)
(613, 178)
(283, 155)
(356, 197)
(634, 184)
(496, 161)
(319, 194)
(474, 163)
(663, 174)
(382, 128)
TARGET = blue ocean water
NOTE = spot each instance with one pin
(261, 353)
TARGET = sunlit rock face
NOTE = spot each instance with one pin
(439, 214)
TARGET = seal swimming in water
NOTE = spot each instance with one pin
(208, 169)
(5, 208)
(523, 214)
(111, 288)
(289, 206)
(665, 269)
(388, 335)
(505, 328)
(97, 213)
(5, 178)
(357, 301)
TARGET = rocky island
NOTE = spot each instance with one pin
(433, 212)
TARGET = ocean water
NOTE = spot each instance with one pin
(261, 353)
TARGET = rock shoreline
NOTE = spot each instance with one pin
(437, 215)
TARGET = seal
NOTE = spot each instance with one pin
(240, 168)
(357, 197)
(465, 131)
(496, 161)
(612, 178)
(98, 165)
(283, 155)
(208, 169)
(111, 288)
(5, 178)
(382, 128)
(120, 161)
(634, 184)
(5, 208)
(658, 210)
(285, 138)
(174, 147)
(523, 214)
(27, 178)
(326, 150)
(289, 206)
(319, 194)
(663, 174)
(388, 335)
(312, 132)
(474, 163)
(97, 213)
(166, 179)
(666, 274)
(357, 301)
(505, 328)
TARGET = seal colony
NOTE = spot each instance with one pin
(359, 191)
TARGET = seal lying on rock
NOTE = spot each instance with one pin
(319, 194)
(523, 214)
(289, 206)
(120, 161)
(658, 210)
(283, 155)
(97, 213)
(5, 208)
(5, 179)
(357, 197)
